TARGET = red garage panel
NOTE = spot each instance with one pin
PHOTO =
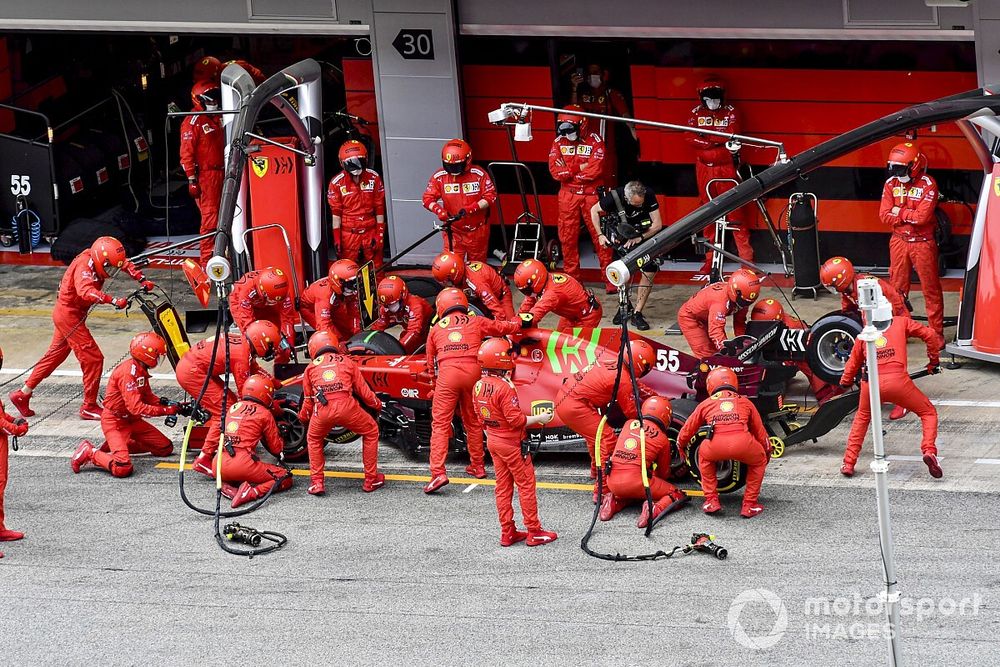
(512, 81)
(359, 86)
(901, 87)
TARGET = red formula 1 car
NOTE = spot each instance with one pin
(544, 359)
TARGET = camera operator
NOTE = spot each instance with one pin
(623, 218)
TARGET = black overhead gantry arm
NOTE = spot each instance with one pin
(969, 104)
(291, 77)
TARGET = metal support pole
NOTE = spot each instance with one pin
(880, 466)
(515, 109)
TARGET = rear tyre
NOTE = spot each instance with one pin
(830, 342)
(731, 475)
(374, 342)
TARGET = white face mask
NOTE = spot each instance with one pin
(713, 105)
(394, 307)
(572, 136)
(903, 179)
(595, 80)
(211, 107)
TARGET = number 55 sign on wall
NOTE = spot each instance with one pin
(25, 171)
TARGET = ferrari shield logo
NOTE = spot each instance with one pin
(541, 407)
(259, 166)
(996, 185)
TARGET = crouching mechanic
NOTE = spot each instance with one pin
(894, 385)
(329, 386)
(702, 318)
(452, 346)
(248, 422)
(625, 481)
(397, 307)
(479, 280)
(585, 396)
(206, 362)
(838, 276)
(736, 432)
(263, 295)
(496, 400)
(127, 400)
(15, 426)
(630, 215)
(80, 290)
(557, 293)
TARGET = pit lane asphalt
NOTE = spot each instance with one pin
(399, 575)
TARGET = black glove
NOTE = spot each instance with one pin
(729, 348)
(200, 415)
(186, 408)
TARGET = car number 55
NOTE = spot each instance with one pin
(668, 360)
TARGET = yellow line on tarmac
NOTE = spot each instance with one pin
(423, 479)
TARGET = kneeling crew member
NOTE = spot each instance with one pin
(249, 422)
(264, 295)
(329, 386)
(702, 318)
(397, 307)
(342, 315)
(315, 302)
(127, 400)
(16, 426)
(625, 481)
(478, 280)
(632, 216)
(451, 348)
(558, 293)
(262, 341)
(496, 400)
(80, 290)
(737, 433)
(894, 385)
(585, 396)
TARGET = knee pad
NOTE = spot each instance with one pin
(121, 469)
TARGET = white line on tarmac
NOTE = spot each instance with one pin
(79, 374)
(955, 403)
(992, 462)
(470, 487)
(909, 457)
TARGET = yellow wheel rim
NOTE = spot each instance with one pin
(777, 447)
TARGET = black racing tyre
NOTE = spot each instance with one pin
(426, 288)
(829, 345)
(293, 432)
(682, 409)
(374, 342)
(731, 475)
